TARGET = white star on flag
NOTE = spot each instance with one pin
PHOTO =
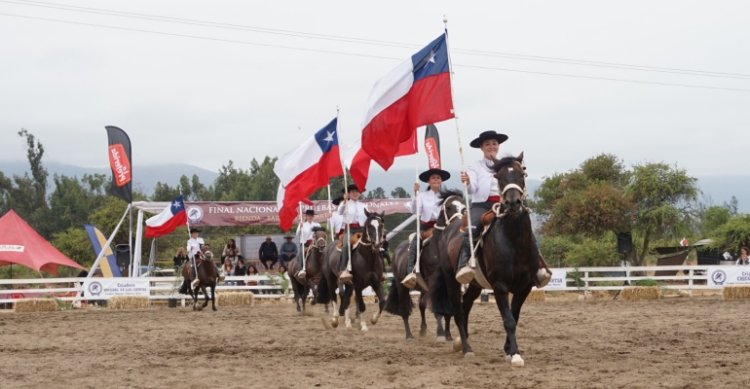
(329, 136)
(176, 204)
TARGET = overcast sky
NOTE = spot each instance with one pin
(245, 79)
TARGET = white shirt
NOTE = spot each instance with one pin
(355, 213)
(482, 182)
(429, 206)
(194, 246)
(305, 231)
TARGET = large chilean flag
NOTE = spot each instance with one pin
(305, 169)
(416, 93)
(167, 220)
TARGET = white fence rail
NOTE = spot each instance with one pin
(687, 278)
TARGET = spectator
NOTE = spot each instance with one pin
(227, 270)
(230, 252)
(268, 252)
(288, 252)
(179, 258)
(252, 271)
(743, 259)
(239, 270)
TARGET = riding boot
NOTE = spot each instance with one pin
(410, 281)
(465, 274)
(301, 272)
(344, 276)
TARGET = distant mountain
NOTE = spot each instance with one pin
(144, 177)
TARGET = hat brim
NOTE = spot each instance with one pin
(194, 230)
(477, 142)
(425, 175)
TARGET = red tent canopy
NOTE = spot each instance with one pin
(20, 244)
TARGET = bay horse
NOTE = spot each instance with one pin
(399, 300)
(207, 276)
(313, 270)
(508, 259)
(367, 270)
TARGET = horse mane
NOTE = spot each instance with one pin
(445, 193)
(504, 162)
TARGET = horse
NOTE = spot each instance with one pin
(367, 270)
(207, 277)
(313, 270)
(508, 258)
(399, 301)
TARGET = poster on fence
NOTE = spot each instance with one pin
(557, 282)
(722, 276)
(110, 287)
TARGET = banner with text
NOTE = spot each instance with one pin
(728, 275)
(245, 213)
(109, 287)
(557, 282)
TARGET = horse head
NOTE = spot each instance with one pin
(319, 239)
(452, 207)
(510, 173)
(374, 231)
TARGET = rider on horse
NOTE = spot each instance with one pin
(194, 246)
(428, 208)
(354, 215)
(485, 192)
(305, 233)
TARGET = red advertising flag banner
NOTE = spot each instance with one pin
(119, 155)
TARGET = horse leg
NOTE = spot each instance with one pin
(501, 299)
(344, 306)
(360, 306)
(378, 288)
(422, 310)
(448, 336)
(471, 294)
(213, 296)
(515, 307)
(462, 318)
(439, 330)
(205, 295)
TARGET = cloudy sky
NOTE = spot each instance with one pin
(204, 82)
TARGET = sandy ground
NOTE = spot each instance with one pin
(671, 343)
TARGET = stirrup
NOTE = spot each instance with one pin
(195, 283)
(410, 281)
(301, 275)
(465, 275)
(345, 277)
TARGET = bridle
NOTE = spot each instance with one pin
(499, 208)
(446, 218)
(367, 239)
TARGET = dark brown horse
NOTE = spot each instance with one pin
(207, 277)
(508, 258)
(313, 270)
(367, 270)
(399, 300)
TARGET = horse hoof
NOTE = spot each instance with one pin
(334, 322)
(516, 360)
(507, 358)
(214, 309)
(470, 354)
(364, 329)
(423, 332)
(374, 319)
(457, 346)
(440, 339)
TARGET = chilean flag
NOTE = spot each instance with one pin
(305, 169)
(416, 93)
(167, 220)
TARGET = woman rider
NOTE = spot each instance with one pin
(484, 192)
(428, 206)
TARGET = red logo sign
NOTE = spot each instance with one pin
(120, 164)
(433, 158)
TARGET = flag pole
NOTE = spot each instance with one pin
(299, 232)
(472, 259)
(418, 210)
(190, 256)
(330, 209)
(346, 201)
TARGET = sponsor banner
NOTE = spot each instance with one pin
(110, 287)
(728, 275)
(119, 154)
(432, 146)
(558, 280)
(242, 213)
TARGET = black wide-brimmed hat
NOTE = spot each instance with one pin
(425, 175)
(337, 200)
(477, 142)
(289, 236)
(194, 230)
(352, 187)
(310, 212)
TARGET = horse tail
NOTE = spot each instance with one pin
(324, 293)
(398, 301)
(440, 297)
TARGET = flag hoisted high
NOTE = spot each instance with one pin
(432, 146)
(306, 169)
(167, 220)
(416, 93)
(120, 163)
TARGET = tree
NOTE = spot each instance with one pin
(599, 208)
(377, 193)
(72, 200)
(663, 197)
(399, 193)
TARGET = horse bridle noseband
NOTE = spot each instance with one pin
(369, 241)
(448, 220)
(499, 208)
